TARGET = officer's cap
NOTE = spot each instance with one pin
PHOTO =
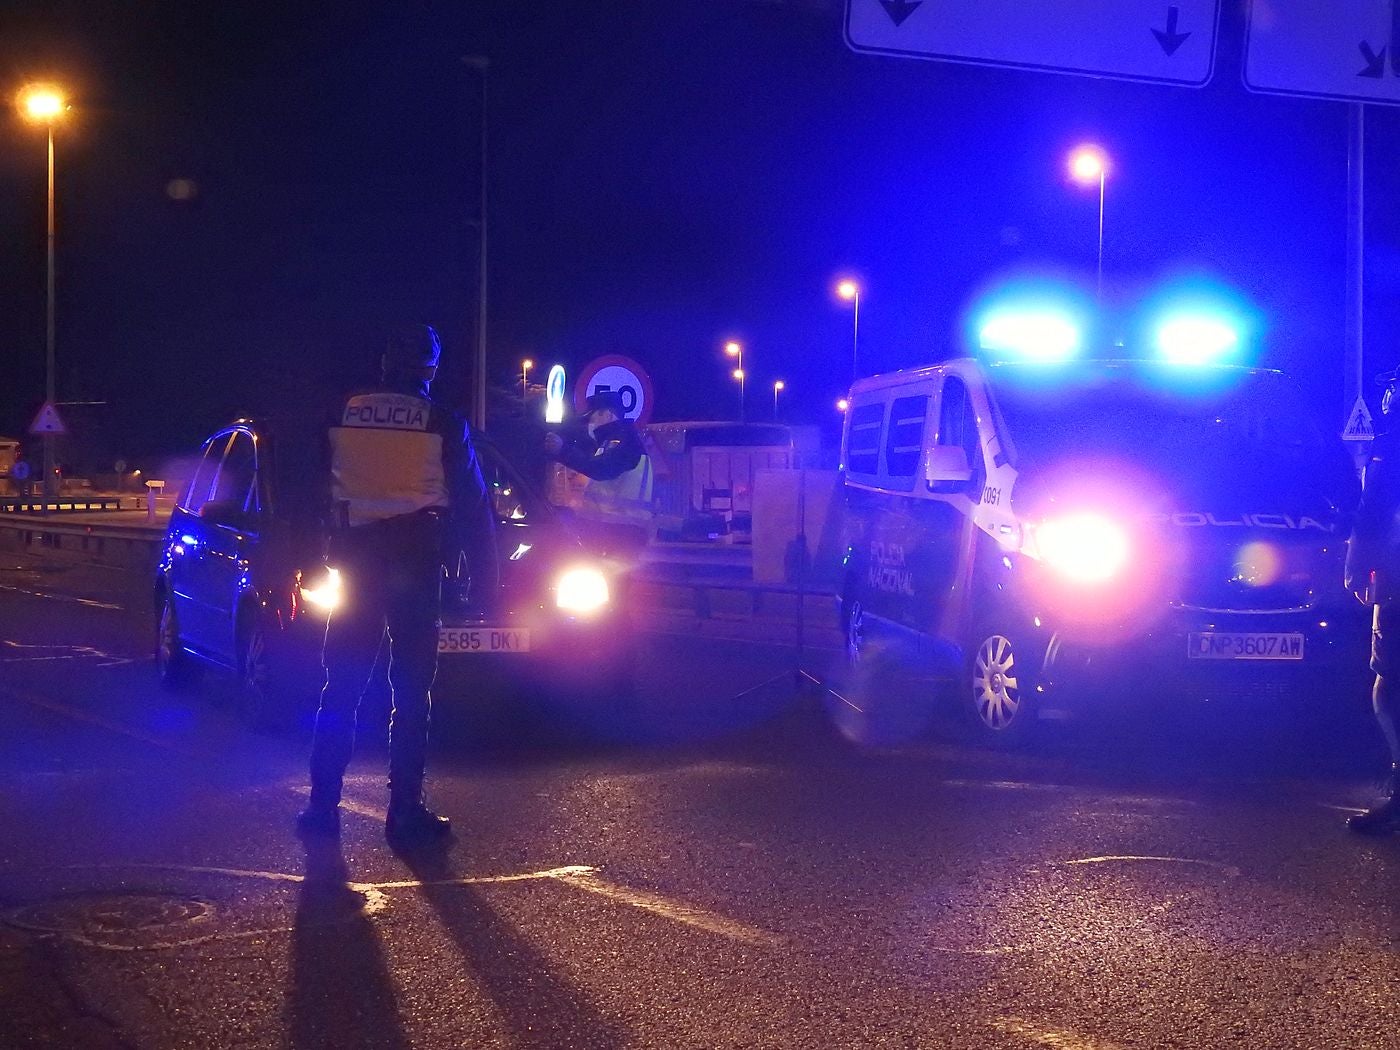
(411, 347)
(605, 399)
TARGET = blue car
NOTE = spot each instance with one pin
(242, 586)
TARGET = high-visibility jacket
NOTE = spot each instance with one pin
(394, 451)
(620, 474)
(626, 497)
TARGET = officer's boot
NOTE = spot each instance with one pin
(1384, 817)
(411, 823)
(321, 817)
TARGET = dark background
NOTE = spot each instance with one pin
(662, 177)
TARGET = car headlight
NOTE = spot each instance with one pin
(325, 595)
(581, 590)
(1086, 548)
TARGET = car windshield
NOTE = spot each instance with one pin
(1154, 417)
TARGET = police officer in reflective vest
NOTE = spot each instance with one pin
(1373, 575)
(407, 494)
(618, 496)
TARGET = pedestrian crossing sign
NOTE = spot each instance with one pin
(1359, 424)
(47, 421)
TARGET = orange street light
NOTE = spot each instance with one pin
(525, 367)
(42, 103)
(735, 350)
(45, 104)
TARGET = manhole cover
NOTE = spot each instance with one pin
(115, 919)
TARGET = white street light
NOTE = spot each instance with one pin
(1088, 164)
(850, 292)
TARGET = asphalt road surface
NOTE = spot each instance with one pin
(722, 871)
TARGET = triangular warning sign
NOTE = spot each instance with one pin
(47, 421)
(1359, 425)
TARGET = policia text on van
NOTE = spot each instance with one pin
(1022, 529)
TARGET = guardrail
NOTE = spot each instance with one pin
(60, 505)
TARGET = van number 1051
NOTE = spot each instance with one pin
(991, 495)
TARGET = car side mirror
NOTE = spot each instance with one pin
(947, 463)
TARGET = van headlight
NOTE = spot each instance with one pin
(581, 590)
(325, 594)
(1085, 548)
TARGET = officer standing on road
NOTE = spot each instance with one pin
(618, 496)
(1373, 575)
(407, 495)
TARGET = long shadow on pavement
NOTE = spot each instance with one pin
(539, 1007)
(342, 993)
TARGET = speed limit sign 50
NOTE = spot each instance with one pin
(622, 374)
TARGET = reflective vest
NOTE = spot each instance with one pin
(626, 497)
(386, 457)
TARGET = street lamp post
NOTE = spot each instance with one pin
(1087, 165)
(850, 291)
(778, 385)
(481, 64)
(525, 367)
(45, 104)
(736, 351)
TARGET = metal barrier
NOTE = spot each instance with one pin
(62, 504)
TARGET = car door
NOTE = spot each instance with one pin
(231, 536)
(188, 541)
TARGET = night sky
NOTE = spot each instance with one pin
(662, 177)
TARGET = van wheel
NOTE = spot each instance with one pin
(873, 704)
(1002, 691)
(855, 634)
(175, 668)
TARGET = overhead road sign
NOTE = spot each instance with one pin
(1165, 43)
(1343, 49)
(47, 421)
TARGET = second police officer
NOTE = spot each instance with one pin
(1373, 575)
(407, 495)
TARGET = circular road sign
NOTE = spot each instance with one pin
(20, 471)
(615, 372)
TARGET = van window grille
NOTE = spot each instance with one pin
(863, 448)
(906, 435)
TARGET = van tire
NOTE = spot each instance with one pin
(999, 688)
(873, 704)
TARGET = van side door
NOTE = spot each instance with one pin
(950, 506)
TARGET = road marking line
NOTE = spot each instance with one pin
(579, 876)
(79, 715)
(1343, 809)
(63, 598)
(677, 911)
(351, 806)
(1228, 869)
(73, 653)
(1051, 1037)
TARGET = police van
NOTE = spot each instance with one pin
(1030, 534)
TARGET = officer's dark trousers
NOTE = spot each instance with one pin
(1385, 663)
(391, 575)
